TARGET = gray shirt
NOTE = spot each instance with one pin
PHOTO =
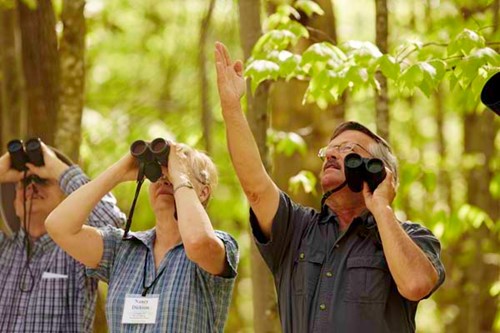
(328, 282)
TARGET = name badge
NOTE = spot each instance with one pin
(140, 309)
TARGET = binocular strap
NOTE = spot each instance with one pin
(27, 281)
(131, 214)
(328, 193)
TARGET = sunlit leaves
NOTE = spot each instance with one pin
(287, 143)
(464, 42)
(389, 66)
(261, 70)
(305, 180)
(309, 7)
(475, 216)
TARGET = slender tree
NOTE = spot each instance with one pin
(41, 67)
(13, 98)
(71, 54)
(382, 96)
(264, 296)
(206, 112)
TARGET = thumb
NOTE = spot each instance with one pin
(238, 67)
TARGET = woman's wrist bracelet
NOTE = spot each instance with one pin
(187, 184)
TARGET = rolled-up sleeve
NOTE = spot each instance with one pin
(106, 212)
(431, 246)
(112, 238)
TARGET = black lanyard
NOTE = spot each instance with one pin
(144, 288)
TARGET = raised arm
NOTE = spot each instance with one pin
(66, 223)
(201, 244)
(262, 193)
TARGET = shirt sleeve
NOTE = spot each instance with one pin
(112, 238)
(431, 246)
(232, 257)
(288, 223)
(106, 212)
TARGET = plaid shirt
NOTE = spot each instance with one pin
(190, 299)
(58, 295)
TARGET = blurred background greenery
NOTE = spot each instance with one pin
(92, 76)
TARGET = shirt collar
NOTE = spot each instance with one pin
(147, 238)
(327, 215)
(44, 242)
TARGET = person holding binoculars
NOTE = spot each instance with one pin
(352, 266)
(43, 289)
(176, 277)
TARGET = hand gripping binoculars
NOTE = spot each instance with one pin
(151, 157)
(22, 153)
(359, 169)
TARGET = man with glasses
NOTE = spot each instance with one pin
(350, 267)
(42, 289)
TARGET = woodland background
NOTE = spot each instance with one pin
(90, 77)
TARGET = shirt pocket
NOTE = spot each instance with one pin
(368, 280)
(306, 272)
(51, 297)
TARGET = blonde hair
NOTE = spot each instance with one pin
(203, 169)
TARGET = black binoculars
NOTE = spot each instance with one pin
(490, 95)
(359, 169)
(151, 156)
(22, 153)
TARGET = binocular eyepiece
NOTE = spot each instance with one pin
(22, 153)
(359, 169)
(151, 156)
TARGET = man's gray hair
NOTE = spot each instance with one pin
(380, 150)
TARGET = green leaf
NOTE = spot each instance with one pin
(323, 52)
(389, 66)
(475, 216)
(363, 53)
(290, 142)
(411, 78)
(305, 179)
(309, 7)
(465, 41)
(261, 70)
(288, 63)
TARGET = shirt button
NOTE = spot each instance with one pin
(302, 256)
(322, 307)
(337, 246)
(329, 274)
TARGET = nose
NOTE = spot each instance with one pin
(30, 189)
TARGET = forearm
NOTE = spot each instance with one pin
(69, 217)
(412, 271)
(201, 244)
(244, 152)
(106, 211)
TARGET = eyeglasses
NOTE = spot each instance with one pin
(343, 148)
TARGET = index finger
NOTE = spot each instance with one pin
(224, 52)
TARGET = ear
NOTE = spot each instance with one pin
(204, 194)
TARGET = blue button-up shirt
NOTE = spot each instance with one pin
(328, 281)
(190, 299)
(57, 296)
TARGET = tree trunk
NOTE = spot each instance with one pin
(382, 96)
(265, 314)
(72, 54)
(13, 98)
(41, 67)
(313, 124)
(206, 112)
(480, 131)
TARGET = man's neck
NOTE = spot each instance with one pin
(346, 206)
